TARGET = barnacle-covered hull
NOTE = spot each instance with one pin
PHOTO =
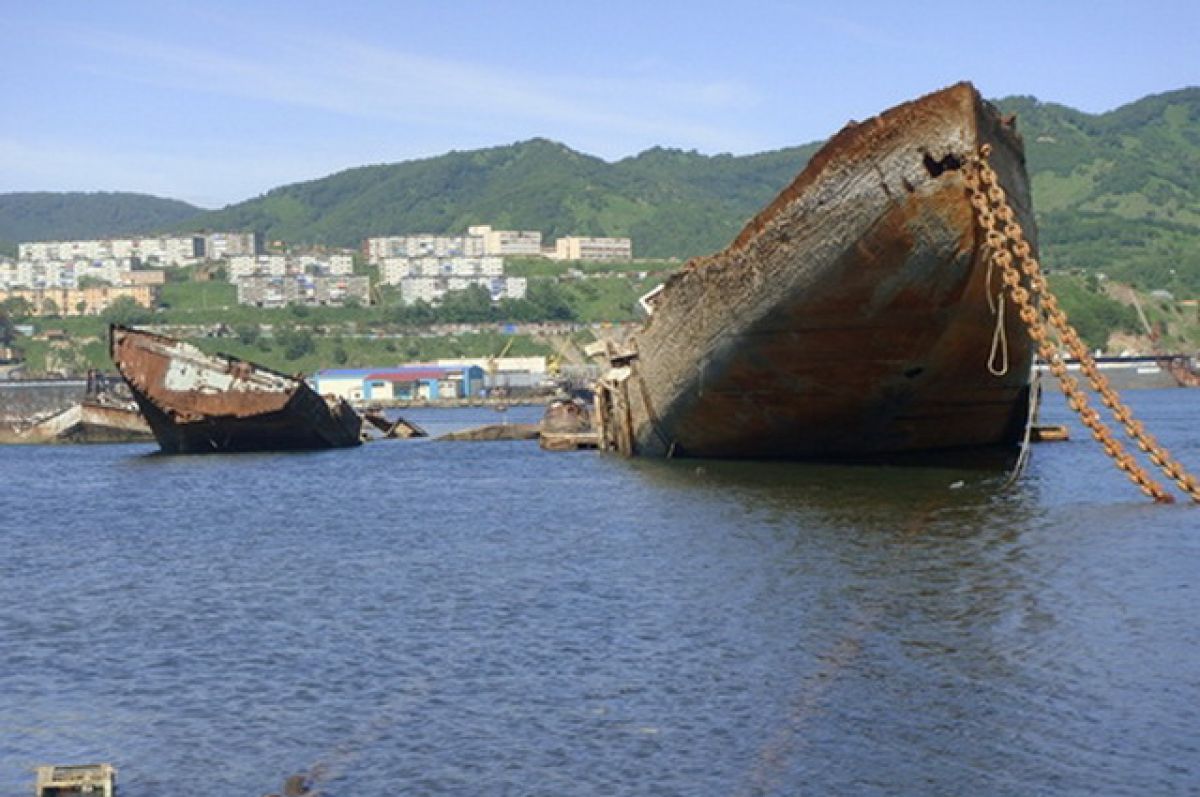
(200, 403)
(855, 317)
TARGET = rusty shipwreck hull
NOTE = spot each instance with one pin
(852, 318)
(200, 403)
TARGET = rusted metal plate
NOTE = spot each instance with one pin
(852, 317)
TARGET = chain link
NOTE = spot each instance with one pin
(1008, 249)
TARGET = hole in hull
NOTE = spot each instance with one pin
(938, 167)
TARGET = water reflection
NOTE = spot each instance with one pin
(458, 618)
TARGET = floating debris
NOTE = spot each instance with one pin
(63, 780)
(377, 426)
(495, 431)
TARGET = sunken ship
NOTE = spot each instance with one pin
(856, 317)
(200, 403)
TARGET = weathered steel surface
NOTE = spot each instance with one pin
(87, 422)
(197, 403)
(850, 318)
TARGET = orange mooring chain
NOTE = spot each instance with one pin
(1008, 249)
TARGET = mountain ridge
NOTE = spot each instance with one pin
(1117, 192)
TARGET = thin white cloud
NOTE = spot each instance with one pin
(346, 77)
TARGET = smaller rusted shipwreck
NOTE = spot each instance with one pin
(202, 403)
(104, 415)
(90, 421)
(856, 317)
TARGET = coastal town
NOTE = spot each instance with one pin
(73, 278)
(565, 399)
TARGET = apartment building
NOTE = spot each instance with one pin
(579, 248)
(64, 273)
(434, 289)
(281, 290)
(168, 251)
(222, 245)
(394, 269)
(507, 242)
(332, 265)
(378, 249)
(80, 301)
(241, 266)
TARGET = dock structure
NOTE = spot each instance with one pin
(63, 780)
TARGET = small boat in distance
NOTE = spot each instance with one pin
(202, 403)
(856, 317)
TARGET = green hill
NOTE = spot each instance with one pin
(671, 203)
(45, 216)
(1118, 192)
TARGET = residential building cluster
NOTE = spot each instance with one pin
(85, 277)
(277, 280)
(430, 278)
(167, 251)
(482, 241)
(426, 267)
(240, 266)
(282, 290)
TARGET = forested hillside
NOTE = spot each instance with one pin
(1117, 192)
(43, 216)
(671, 203)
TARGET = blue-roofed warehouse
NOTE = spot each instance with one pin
(408, 383)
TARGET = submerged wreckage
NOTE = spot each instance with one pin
(856, 317)
(198, 403)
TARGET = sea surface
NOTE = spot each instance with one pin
(430, 618)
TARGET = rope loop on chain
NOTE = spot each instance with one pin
(1004, 245)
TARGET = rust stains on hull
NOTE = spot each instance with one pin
(854, 317)
(199, 403)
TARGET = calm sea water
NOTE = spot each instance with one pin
(486, 618)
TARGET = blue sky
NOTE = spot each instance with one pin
(216, 102)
